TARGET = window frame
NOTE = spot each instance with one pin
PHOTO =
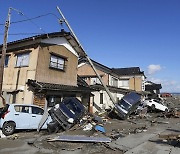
(5, 60)
(101, 98)
(94, 81)
(20, 54)
(35, 109)
(57, 57)
(124, 83)
(22, 109)
(114, 82)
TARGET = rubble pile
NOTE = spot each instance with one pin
(80, 128)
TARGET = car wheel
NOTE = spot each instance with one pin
(166, 111)
(153, 107)
(8, 128)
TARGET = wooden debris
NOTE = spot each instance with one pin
(170, 137)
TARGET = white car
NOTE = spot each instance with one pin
(21, 116)
(155, 104)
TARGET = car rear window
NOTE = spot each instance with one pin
(19, 108)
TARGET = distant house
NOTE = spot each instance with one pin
(152, 88)
(130, 78)
(119, 82)
(43, 67)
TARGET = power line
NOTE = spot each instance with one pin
(41, 29)
(34, 18)
(28, 19)
(23, 34)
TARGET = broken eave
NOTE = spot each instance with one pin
(75, 45)
(44, 87)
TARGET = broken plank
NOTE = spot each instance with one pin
(170, 136)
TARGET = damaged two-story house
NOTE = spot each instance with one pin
(131, 78)
(119, 81)
(43, 67)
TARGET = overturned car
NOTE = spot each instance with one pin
(65, 114)
(127, 105)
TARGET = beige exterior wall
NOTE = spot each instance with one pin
(39, 70)
(48, 75)
(135, 83)
(12, 73)
(87, 70)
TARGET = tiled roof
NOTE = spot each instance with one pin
(114, 71)
(96, 64)
(81, 82)
(30, 41)
(127, 71)
(153, 87)
(40, 86)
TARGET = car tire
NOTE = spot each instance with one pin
(153, 107)
(8, 128)
(166, 111)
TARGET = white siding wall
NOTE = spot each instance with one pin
(143, 83)
(60, 41)
(106, 100)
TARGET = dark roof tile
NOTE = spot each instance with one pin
(127, 71)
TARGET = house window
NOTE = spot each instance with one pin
(114, 82)
(101, 98)
(95, 80)
(6, 61)
(53, 100)
(124, 83)
(57, 62)
(22, 60)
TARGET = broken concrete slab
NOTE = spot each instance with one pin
(130, 141)
(149, 147)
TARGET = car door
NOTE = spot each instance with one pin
(36, 115)
(159, 106)
(148, 102)
(21, 116)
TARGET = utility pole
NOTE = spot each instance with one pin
(89, 60)
(3, 56)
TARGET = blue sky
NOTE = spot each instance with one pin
(116, 33)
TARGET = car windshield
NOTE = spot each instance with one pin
(124, 105)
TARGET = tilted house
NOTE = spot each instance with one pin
(43, 67)
(118, 81)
